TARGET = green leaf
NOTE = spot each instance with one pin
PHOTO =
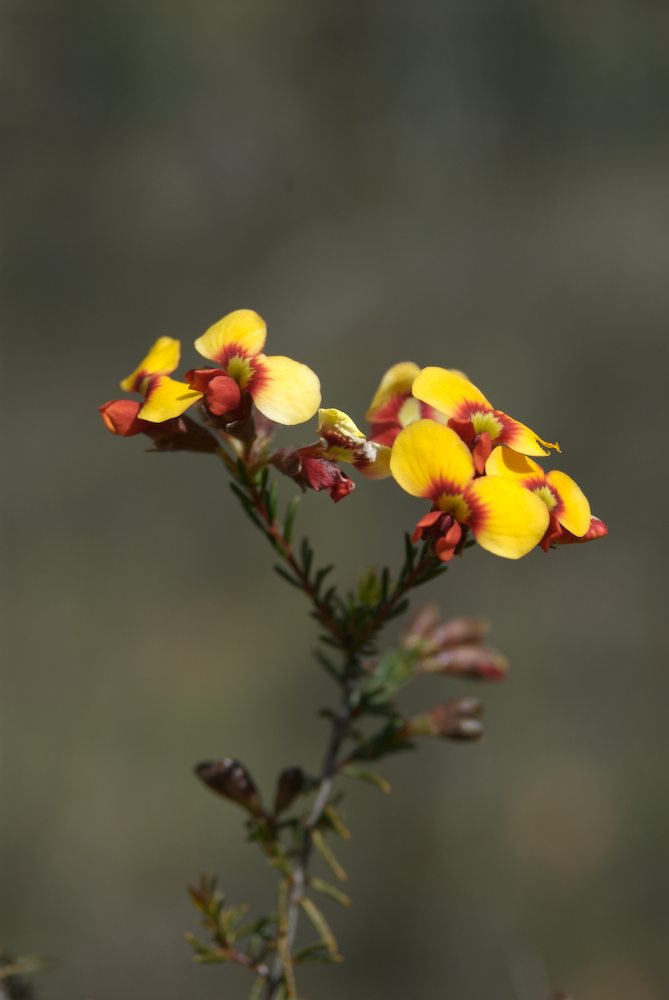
(271, 502)
(320, 576)
(371, 777)
(315, 953)
(335, 822)
(321, 927)
(289, 520)
(287, 576)
(319, 885)
(327, 854)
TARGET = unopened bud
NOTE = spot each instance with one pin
(475, 662)
(292, 781)
(456, 720)
(230, 779)
(421, 626)
(458, 631)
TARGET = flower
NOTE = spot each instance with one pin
(282, 389)
(473, 417)
(176, 434)
(570, 516)
(344, 442)
(311, 471)
(393, 406)
(164, 397)
(430, 460)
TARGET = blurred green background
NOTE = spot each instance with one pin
(479, 185)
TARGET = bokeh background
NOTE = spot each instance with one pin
(480, 185)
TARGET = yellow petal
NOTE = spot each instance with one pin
(521, 438)
(336, 425)
(396, 382)
(429, 459)
(162, 359)
(447, 391)
(167, 398)
(512, 465)
(574, 514)
(506, 519)
(377, 464)
(285, 390)
(242, 329)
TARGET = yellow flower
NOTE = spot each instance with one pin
(565, 501)
(282, 389)
(164, 397)
(394, 407)
(470, 413)
(430, 460)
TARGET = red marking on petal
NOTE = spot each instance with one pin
(384, 433)
(232, 351)
(389, 412)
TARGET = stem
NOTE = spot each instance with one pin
(340, 724)
(352, 641)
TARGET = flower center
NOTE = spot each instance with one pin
(241, 369)
(455, 504)
(546, 494)
(485, 420)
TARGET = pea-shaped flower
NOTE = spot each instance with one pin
(282, 389)
(452, 394)
(429, 460)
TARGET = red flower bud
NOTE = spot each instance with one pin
(120, 417)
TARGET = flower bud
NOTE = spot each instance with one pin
(455, 720)
(230, 779)
(430, 636)
(310, 470)
(292, 781)
(476, 662)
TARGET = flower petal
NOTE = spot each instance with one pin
(511, 464)
(506, 519)
(429, 459)
(162, 359)
(120, 417)
(373, 460)
(166, 398)
(337, 428)
(520, 438)
(241, 332)
(285, 390)
(448, 391)
(397, 381)
(574, 513)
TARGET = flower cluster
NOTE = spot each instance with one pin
(433, 430)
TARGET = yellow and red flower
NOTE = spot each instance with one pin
(394, 407)
(431, 461)
(474, 418)
(164, 397)
(570, 516)
(283, 390)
